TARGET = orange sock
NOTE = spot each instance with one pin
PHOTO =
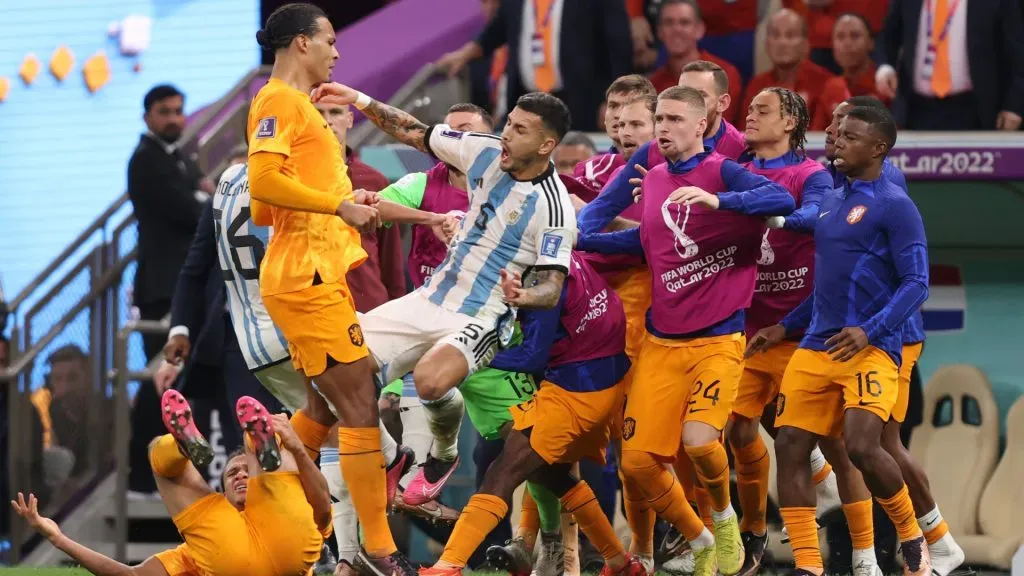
(704, 507)
(803, 537)
(753, 465)
(686, 474)
(529, 520)
(712, 465)
(362, 467)
(820, 475)
(310, 432)
(900, 510)
(481, 514)
(664, 495)
(165, 458)
(583, 505)
(860, 518)
(641, 518)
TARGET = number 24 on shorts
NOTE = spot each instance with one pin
(709, 391)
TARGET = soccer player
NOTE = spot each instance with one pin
(700, 232)
(712, 82)
(298, 183)
(270, 524)
(871, 275)
(579, 345)
(520, 216)
(776, 127)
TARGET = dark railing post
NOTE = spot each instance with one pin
(121, 441)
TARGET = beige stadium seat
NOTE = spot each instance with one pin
(1002, 503)
(957, 444)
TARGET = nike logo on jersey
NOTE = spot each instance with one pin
(823, 214)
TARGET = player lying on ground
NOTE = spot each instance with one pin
(268, 522)
(702, 260)
(520, 216)
(579, 347)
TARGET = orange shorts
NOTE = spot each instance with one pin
(911, 354)
(680, 381)
(318, 322)
(762, 379)
(565, 426)
(634, 289)
(275, 535)
(816, 390)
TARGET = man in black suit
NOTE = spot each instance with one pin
(572, 49)
(167, 192)
(954, 64)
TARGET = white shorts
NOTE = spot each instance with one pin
(287, 385)
(401, 331)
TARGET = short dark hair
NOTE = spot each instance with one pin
(158, 93)
(575, 138)
(472, 109)
(67, 353)
(631, 84)
(863, 20)
(684, 94)
(880, 120)
(650, 101)
(866, 101)
(287, 22)
(691, 3)
(721, 78)
(234, 454)
(552, 111)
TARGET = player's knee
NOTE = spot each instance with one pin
(793, 447)
(430, 383)
(861, 449)
(742, 431)
(639, 465)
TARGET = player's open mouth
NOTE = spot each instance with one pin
(664, 142)
(504, 153)
(241, 488)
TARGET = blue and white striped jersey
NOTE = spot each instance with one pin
(514, 225)
(240, 248)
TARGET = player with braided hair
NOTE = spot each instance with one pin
(776, 130)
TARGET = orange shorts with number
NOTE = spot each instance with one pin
(762, 378)
(634, 289)
(816, 390)
(565, 426)
(680, 381)
(276, 534)
(318, 322)
(911, 354)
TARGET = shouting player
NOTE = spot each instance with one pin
(520, 217)
(264, 524)
(579, 346)
(298, 182)
(871, 275)
(700, 232)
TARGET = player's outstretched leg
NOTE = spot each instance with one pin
(753, 465)
(863, 435)
(857, 506)
(946, 554)
(177, 417)
(793, 448)
(255, 421)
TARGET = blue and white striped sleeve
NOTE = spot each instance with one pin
(461, 149)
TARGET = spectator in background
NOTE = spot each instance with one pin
(574, 148)
(731, 26)
(485, 73)
(382, 276)
(569, 48)
(821, 16)
(63, 404)
(786, 44)
(680, 28)
(852, 45)
(167, 191)
(954, 65)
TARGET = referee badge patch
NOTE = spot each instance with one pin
(267, 127)
(549, 244)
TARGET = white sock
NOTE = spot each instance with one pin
(703, 541)
(346, 523)
(444, 416)
(415, 434)
(818, 461)
(388, 446)
(931, 520)
(865, 556)
(723, 515)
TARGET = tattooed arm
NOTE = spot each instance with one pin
(398, 124)
(544, 293)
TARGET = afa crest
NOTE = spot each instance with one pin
(856, 213)
(628, 428)
(355, 334)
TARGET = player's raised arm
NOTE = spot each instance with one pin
(620, 242)
(753, 194)
(539, 330)
(398, 124)
(313, 482)
(804, 218)
(91, 560)
(616, 196)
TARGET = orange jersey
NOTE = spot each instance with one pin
(821, 20)
(309, 240)
(808, 83)
(663, 78)
(838, 89)
(178, 562)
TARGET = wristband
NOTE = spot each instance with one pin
(362, 101)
